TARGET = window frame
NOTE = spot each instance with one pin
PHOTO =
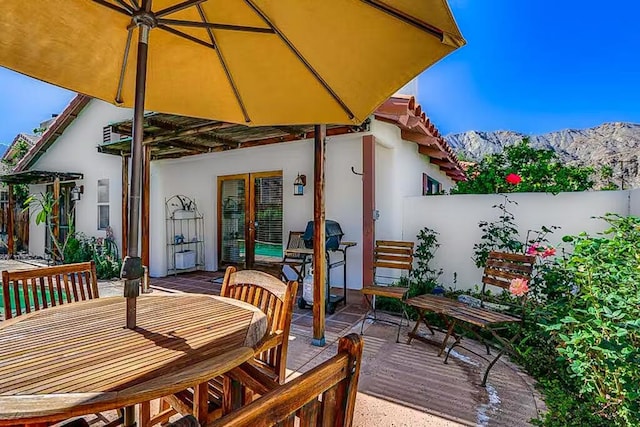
(104, 182)
(430, 186)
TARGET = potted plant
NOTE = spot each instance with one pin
(187, 208)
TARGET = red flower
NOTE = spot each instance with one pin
(548, 252)
(514, 179)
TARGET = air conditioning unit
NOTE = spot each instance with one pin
(108, 135)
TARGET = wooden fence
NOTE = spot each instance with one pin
(21, 229)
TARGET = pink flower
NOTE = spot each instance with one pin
(534, 249)
(513, 179)
(519, 287)
(548, 252)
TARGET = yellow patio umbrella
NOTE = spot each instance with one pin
(256, 62)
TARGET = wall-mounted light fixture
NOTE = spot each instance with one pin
(76, 192)
(299, 184)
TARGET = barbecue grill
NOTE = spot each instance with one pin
(333, 235)
(333, 243)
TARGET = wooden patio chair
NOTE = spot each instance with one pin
(34, 289)
(394, 255)
(24, 291)
(297, 262)
(326, 395)
(501, 268)
(275, 299)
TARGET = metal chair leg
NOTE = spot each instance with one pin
(404, 315)
(372, 308)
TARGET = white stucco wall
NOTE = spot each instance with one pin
(634, 202)
(399, 169)
(456, 219)
(75, 151)
(197, 177)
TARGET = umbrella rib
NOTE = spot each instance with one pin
(208, 25)
(135, 4)
(407, 19)
(178, 7)
(130, 9)
(302, 59)
(124, 66)
(112, 7)
(236, 92)
(185, 36)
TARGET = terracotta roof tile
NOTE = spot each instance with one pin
(407, 114)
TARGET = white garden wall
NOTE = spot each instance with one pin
(456, 219)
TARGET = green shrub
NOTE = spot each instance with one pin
(104, 252)
(599, 334)
(582, 332)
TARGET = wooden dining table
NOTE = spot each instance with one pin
(79, 359)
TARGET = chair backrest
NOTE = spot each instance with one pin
(393, 254)
(275, 298)
(295, 242)
(501, 268)
(34, 289)
(326, 395)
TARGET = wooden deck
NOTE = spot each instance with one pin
(440, 395)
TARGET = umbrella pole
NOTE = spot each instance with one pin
(134, 273)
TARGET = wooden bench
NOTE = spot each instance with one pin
(326, 395)
(500, 270)
(42, 287)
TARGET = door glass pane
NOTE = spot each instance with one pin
(268, 219)
(232, 199)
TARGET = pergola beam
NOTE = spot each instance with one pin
(39, 177)
(190, 146)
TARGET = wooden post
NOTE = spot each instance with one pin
(368, 207)
(125, 204)
(56, 218)
(11, 223)
(319, 240)
(144, 224)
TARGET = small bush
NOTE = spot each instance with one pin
(103, 251)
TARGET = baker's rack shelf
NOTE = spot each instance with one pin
(185, 235)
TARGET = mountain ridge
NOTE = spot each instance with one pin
(613, 144)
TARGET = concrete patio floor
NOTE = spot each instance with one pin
(400, 384)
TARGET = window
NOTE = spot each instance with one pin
(103, 204)
(430, 185)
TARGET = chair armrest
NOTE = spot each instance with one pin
(270, 341)
(258, 380)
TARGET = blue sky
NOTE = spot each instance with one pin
(537, 65)
(530, 65)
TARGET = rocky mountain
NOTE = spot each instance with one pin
(614, 144)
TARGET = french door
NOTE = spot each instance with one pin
(250, 219)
